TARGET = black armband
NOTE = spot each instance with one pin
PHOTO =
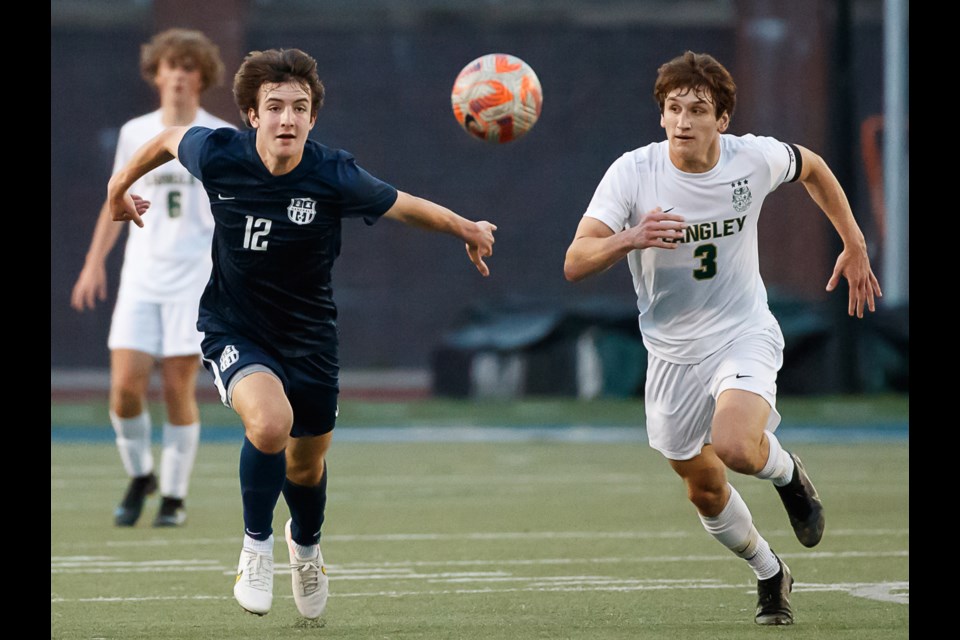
(795, 152)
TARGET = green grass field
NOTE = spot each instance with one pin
(487, 540)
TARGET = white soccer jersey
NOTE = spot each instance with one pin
(698, 297)
(167, 260)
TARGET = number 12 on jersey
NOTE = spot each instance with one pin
(254, 237)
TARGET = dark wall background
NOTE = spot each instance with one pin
(388, 80)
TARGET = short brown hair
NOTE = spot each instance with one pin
(275, 66)
(186, 47)
(699, 72)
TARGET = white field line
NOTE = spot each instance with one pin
(443, 537)
(819, 555)
(405, 570)
(895, 592)
(411, 571)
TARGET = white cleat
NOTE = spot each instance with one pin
(310, 583)
(254, 586)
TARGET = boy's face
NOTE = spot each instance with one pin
(282, 118)
(690, 122)
(178, 79)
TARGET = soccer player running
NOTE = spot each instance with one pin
(165, 269)
(268, 315)
(683, 212)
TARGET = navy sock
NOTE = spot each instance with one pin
(261, 480)
(306, 508)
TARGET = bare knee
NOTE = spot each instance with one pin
(737, 430)
(267, 416)
(705, 478)
(127, 396)
(306, 459)
(269, 431)
(708, 499)
(741, 455)
(306, 473)
(129, 378)
(179, 389)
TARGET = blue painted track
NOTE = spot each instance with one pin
(788, 433)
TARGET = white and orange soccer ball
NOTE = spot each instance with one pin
(497, 98)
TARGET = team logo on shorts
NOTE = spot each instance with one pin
(302, 210)
(741, 195)
(228, 357)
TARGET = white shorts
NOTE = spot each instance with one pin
(680, 398)
(163, 330)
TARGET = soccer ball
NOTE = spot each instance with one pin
(497, 98)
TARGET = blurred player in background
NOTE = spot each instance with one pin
(683, 212)
(165, 269)
(268, 315)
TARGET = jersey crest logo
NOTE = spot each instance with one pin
(302, 210)
(229, 356)
(741, 195)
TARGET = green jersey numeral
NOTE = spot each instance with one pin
(173, 204)
(707, 253)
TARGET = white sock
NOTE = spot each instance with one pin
(779, 466)
(260, 546)
(764, 563)
(133, 443)
(176, 460)
(733, 528)
(306, 552)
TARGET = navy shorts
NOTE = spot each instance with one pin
(310, 382)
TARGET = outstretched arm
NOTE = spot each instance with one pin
(425, 214)
(155, 152)
(91, 284)
(596, 248)
(853, 263)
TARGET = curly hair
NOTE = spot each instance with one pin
(701, 73)
(185, 47)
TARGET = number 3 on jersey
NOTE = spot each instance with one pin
(707, 253)
(254, 237)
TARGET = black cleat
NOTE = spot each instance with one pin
(128, 512)
(773, 598)
(172, 513)
(803, 505)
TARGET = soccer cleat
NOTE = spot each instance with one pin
(803, 505)
(310, 583)
(773, 598)
(172, 513)
(128, 511)
(254, 586)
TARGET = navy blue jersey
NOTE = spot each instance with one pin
(276, 237)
